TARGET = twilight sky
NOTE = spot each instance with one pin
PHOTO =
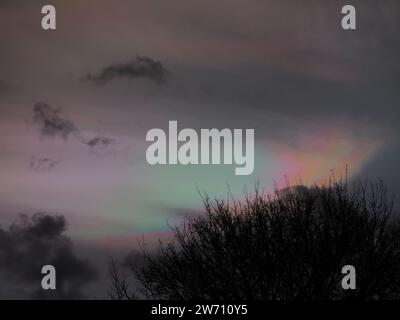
(318, 97)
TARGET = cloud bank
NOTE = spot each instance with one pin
(38, 240)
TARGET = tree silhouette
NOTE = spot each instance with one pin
(119, 289)
(289, 245)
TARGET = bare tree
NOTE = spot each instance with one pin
(290, 245)
(119, 289)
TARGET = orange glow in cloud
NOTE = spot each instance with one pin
(313, 157)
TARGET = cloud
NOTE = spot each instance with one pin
(52, 124)
(32, 242)
(42, 164)
(50, 121)
(100, 141)
(100, 145)
(141, 67)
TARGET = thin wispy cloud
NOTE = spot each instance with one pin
(139, 68)
(51, 122)
(100, 141)
(42, 164)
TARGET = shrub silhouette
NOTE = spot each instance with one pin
(290, 245)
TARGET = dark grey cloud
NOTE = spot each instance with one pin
(100, 141)
(100, 145)
(34, 241)
(50, 121)
(141, 67)
(52, 124)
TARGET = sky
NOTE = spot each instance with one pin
(76, 104)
